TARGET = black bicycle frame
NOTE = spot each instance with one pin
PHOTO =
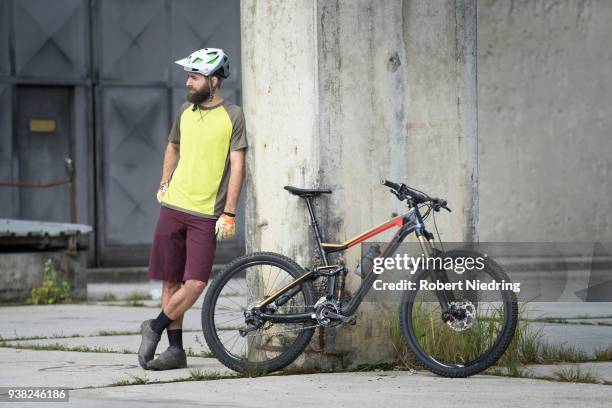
(412, 222)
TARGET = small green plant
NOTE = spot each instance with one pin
(403, 356)
(603, 354)
(197, 374)
(109, 297)
(527, 347)
(53, 289)
(133, 303)
(578, 375)
(139, 380)
(136, 296)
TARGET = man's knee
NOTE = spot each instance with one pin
(195, 285)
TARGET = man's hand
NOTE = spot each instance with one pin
(161, 192)
(226, 226)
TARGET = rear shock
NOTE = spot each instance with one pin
(340, 283)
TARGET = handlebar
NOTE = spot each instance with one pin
(390, 184)
(402, 192)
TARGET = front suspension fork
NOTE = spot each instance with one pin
(445, 297)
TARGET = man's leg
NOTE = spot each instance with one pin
(178, 303)
(166, 263)
(172, 315)
(200, 243)
(183, 299)
(175, 330)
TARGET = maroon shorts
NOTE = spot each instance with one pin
(183, 247)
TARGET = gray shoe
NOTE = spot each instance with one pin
(148, 344)
(173, 357)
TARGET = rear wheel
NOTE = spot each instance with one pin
(241, 285)
(470, 343)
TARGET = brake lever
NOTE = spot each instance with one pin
(447, 209)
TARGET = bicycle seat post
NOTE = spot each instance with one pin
(317, 231)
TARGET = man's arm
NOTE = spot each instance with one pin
(235, 180)
(171, 158)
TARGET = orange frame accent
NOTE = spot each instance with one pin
(393, 222)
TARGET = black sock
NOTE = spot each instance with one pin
(175, 338)
(158, 325)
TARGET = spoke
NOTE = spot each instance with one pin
(242, 308)
(247, 289)
(223, 307)
(267, 279)
(274, 283)
(232, 312)
(284, 279)
(235, 341)
(230, 320)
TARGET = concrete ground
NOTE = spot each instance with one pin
(103, 368)
(369, 389)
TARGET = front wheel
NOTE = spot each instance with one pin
(237, 289)
(481, 330)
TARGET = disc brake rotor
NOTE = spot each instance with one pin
(470, 316)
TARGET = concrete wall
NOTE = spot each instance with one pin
(545, 141)
(341, 94)
(23, 271)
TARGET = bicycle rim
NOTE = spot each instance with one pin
(270, 346)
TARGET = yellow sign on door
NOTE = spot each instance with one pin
(42, 125)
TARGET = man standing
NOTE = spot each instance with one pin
(201, 181)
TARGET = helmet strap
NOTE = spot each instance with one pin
(212, 89)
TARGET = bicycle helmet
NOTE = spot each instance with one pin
(207, 61)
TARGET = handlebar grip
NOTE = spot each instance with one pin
(390, 184)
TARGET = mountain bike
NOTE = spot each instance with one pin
(260, 313)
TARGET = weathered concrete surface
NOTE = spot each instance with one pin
(20, 272)
(193, 341)
(603, 371)
(537, 310)
(84, 320)
(602, 322)
(370, 389)
(581, 337)
(122, 291)
(280, 100)
(544, 96)
(341, 95)
(389, 389)
(29, 368)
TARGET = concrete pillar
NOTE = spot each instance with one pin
(340, 94)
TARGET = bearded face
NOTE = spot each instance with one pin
(198, 88)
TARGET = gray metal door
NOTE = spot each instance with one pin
(139, 90)
(134, 135)
(43, 141)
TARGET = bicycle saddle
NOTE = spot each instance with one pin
(306, 192)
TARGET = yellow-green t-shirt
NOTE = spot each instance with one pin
(198, 185)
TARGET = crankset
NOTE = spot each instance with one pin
(327, 313)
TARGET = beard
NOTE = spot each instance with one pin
(199, 96)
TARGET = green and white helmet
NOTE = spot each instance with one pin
(207, 61)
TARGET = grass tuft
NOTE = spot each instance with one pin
(577, 375)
